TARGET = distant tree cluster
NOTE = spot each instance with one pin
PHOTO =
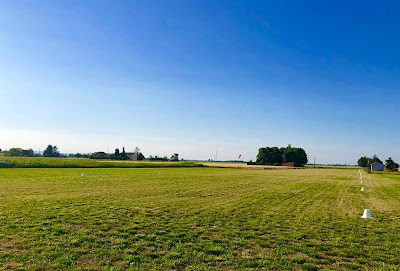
(19, 152)
(51, 151)
(158, 158)
(277, 156)
(366, 162)
(391, 165)
(79, 155)
(117, 155)
(174, 157)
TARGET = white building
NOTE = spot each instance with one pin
(132, 156)
(377, 166)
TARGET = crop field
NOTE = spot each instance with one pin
(197, 219)
(43, 162)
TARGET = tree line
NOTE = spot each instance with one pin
(117, 155)
(53, 151)
(366, 162)
(50, 151)
(276, 156)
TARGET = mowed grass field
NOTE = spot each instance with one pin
(197, 219)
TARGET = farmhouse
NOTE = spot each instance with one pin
(377, 166)
(132, 155)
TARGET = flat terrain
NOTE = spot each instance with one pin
(197, 219)
(240, 165)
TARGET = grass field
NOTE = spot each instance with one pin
(240, 165)
(197, 219)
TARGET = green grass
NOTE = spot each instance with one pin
(43, 162)
(387, 174)
(197, 219)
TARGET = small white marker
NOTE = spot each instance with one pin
(367, 213)
(83, 174)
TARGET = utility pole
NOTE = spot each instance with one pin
(314, 160)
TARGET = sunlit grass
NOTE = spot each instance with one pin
(197, 219)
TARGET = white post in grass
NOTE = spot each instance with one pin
(367, 213)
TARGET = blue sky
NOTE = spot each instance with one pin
(194, 77)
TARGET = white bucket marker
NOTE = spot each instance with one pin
(362, 189)
(83, 174)
(367, 213)
(361, 181)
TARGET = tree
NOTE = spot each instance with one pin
(140, 156)
(28, 153)
(116, 154)
(301, 157)
(175, 157)
(372, 160)
(123, 154)
(14, 152)
(98, 155)
(375, 159)
(290, 154)
(275, 156)
(51, 151)
(391, 165)
(363, 161)
(262, 156)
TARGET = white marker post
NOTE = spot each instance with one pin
(367, 213)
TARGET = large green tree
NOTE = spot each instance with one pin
(366, 161)
(262, 156)
(391, 165)
(174, 157)
(51, 151)
(363, 161)
(301, 157)
(123, 155)
(273, 155)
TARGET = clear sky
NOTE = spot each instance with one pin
(194, 77)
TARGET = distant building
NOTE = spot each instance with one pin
(132, 156)
(377, 166)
